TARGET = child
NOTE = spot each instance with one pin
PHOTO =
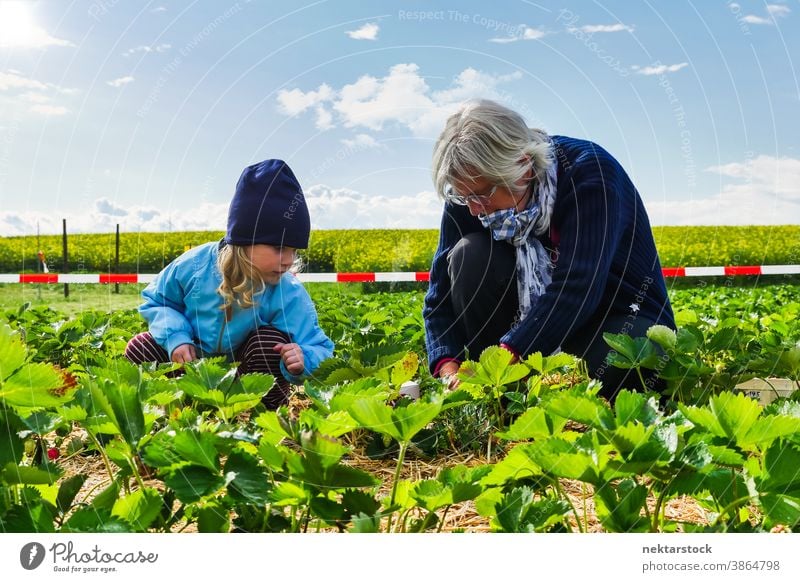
(238, 297)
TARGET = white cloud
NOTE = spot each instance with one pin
(296, 101)
(32, 91)
(105, 215)
(523, 33)
(659, 69)
(361, 141)
(324, 118)
(773, 11)
(32, 97)
(158, 9)
(594, 28)
(345, 208)
(147, 49)
(120, 82)
(105, 206)
(753, 19)
(760, 190)
(329, 208)
(367, 32)
(778, 9)
(51, 110)
(14, 80)
(401, 97)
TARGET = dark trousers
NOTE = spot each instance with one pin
(255, 355)
(484, 297)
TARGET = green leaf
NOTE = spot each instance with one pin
(619, 507)
(106, 499)
(563, 459)
(93, 520)
(16, 474)
(431, 494)
(198, 448)
(623, 344)
(192, 483)
(494, 368)
(689, 340)
(633, 406)
(768, 428)
(213, 518)
(781, 510)
(704, 418)
(250, 482)
(121, 403)
(32, 517)
(511, 509)
(518, 464)
(139, 508)
(11, 445)
(67, 492)
(582, 408)
(663, 336)
(33, 386)
(782, 468)
(405, 369)
(289, 493)
(334, 424)
(465, 483)
(736, 413)
(12, 352)
(400, 423)
(533, 424)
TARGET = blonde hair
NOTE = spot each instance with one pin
(240, 278)
(487, 139)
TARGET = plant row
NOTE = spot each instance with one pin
(385, 250)
(198, 450)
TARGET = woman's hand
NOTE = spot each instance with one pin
(184, 353)
(292, 356)
(449, 375)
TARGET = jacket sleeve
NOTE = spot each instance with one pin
(590, 223)
(298, 318)
(443, 339)
(164, 308)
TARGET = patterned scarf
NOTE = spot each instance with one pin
(534, 268)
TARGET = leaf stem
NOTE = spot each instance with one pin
(444, 515)
(566, 498)
(400, 458)
(103, 455)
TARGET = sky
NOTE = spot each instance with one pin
(144, 114)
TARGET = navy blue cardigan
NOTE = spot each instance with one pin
(607, 260)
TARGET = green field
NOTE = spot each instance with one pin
(387, 250)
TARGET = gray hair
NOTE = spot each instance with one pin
(487, 139)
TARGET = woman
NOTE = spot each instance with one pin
(544, 244)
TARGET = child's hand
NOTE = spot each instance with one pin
(292, 356)
(184, 353)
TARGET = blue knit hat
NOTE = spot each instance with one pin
(268, 208)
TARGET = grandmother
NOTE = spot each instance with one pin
(544, 245)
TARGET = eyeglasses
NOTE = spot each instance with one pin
(450, 195)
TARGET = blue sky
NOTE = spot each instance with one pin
(145, 113)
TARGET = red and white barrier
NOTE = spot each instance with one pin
(385, 277)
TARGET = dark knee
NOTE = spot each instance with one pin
(477, 258)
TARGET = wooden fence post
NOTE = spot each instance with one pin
(65, 267)
(116, 262)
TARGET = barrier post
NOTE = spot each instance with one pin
(65, 268)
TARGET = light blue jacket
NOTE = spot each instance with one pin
(182, 306)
